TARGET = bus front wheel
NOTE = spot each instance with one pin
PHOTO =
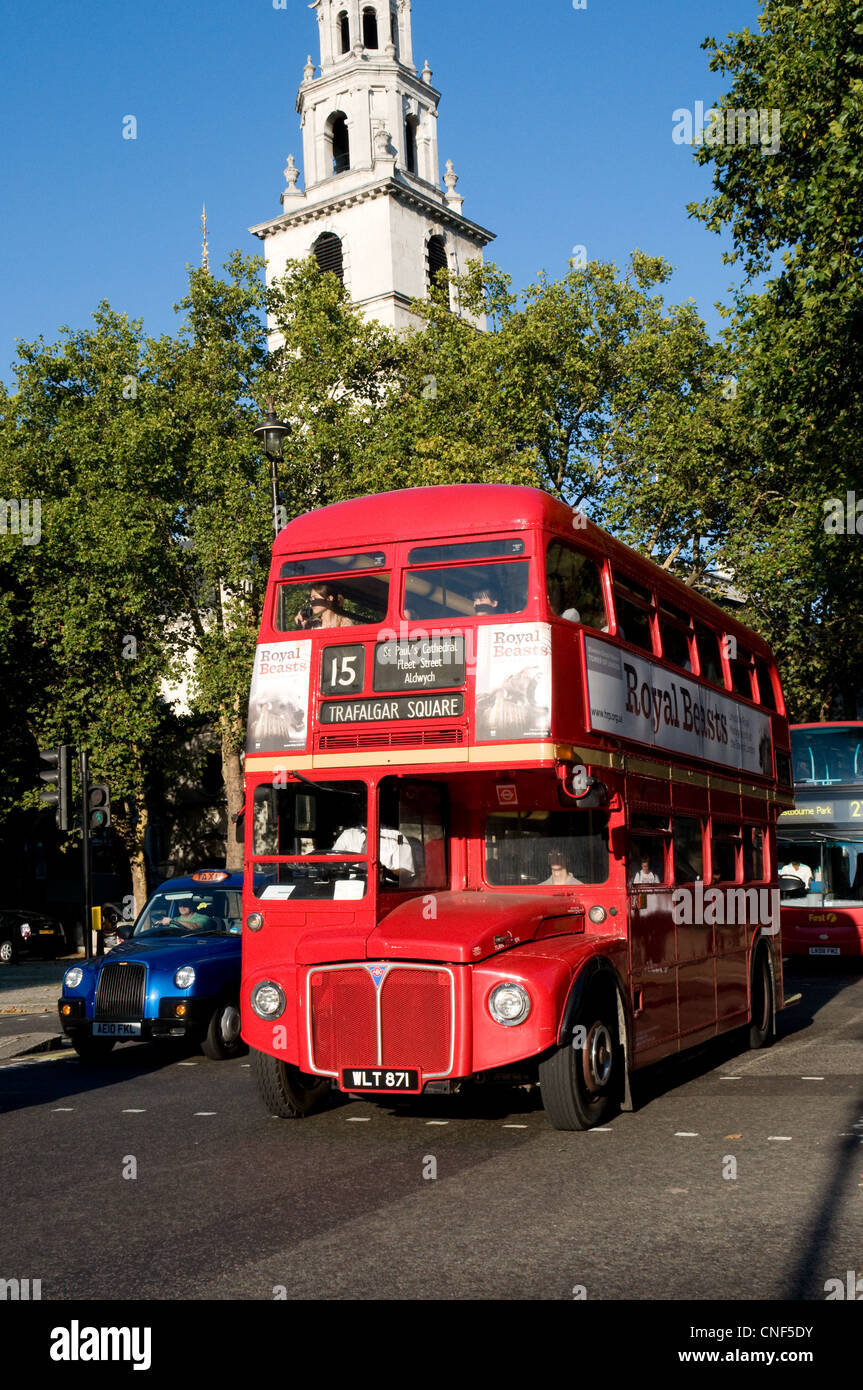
(580, 1081)
(762, 1027)
(288, 1093)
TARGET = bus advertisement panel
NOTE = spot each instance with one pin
(517, 824)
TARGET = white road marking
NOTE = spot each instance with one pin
(63, 1109)
(731, 1078)
(779, 1138)
(133, 1112)
(812, 1078)
(187, 1064)
(437, 1122)
(514, 1126)
(686, 1134)
(601, 1129)
(205, 1112)
(358, 1119)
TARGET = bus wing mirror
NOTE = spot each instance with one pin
(581, 787)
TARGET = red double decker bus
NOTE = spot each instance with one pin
(511, 803)
(820, 843)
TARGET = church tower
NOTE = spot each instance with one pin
(372, 210)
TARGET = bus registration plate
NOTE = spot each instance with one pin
(379, 1079)
(824, 950)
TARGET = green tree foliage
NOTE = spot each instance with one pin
(797, 337)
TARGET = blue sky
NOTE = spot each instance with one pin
(558, 122)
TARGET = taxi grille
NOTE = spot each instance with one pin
(406, 1022)
(120, 992)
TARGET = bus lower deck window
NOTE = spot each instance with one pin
(546, 848)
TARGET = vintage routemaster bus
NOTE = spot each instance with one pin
(511, 804)
(821, 843)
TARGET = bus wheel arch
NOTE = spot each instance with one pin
(287, 1092)
(587, 1075)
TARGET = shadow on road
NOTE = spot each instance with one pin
(42, 1082)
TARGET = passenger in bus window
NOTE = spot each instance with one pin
(645, 874)
(559, 870)
(324, 610)
(486, 600)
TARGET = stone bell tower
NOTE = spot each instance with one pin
(372, 209)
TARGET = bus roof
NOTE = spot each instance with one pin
(472, 509)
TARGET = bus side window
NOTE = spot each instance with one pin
(574, 587)
(766, 693)
(741, 673)
(724, 840)
(647, 859)
(709, 661)
(688, 849)
(753, 854)
(634, 605)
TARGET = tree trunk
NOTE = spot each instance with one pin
(232, 773)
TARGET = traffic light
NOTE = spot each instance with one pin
(100, 806)
(59, 777)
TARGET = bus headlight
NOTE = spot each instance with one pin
(185, 976)
(73, 977)
(254, 921)
(268, 1001)
(509, 1004)
(596, 914)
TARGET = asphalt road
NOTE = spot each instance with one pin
(159, 1175)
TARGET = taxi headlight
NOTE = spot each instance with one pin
(185, 976)
(268, 1000)
(73, 977)
(509, 1004)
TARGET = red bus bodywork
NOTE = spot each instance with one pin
(825, 828)
(393, 982)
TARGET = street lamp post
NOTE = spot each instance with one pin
(270, 433)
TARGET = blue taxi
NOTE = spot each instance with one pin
(176, 976)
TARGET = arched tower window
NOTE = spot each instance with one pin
(436, 258)
(394, 30)
(337, 127)
(327, 251)
(411, 144)
(370, 28)
(344, 27)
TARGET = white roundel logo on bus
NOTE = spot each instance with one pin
(377, 973)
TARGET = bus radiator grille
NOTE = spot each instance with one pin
(398, 738)
(120, 993)
(414, 1008)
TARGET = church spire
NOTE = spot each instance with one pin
(371, 208)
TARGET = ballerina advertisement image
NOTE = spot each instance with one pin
(513, 681)
(279, 699)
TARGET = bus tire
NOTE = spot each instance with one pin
(92, 1050)
(580, 1084)
(223, 1039)
(287, 1092)
(762, 1015)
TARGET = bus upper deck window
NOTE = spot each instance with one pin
(674, 629)
(709, 660)
(345, 601)
(766, 694)
(456, 592)
(574, 586)
(740, 665)
(634, 604)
